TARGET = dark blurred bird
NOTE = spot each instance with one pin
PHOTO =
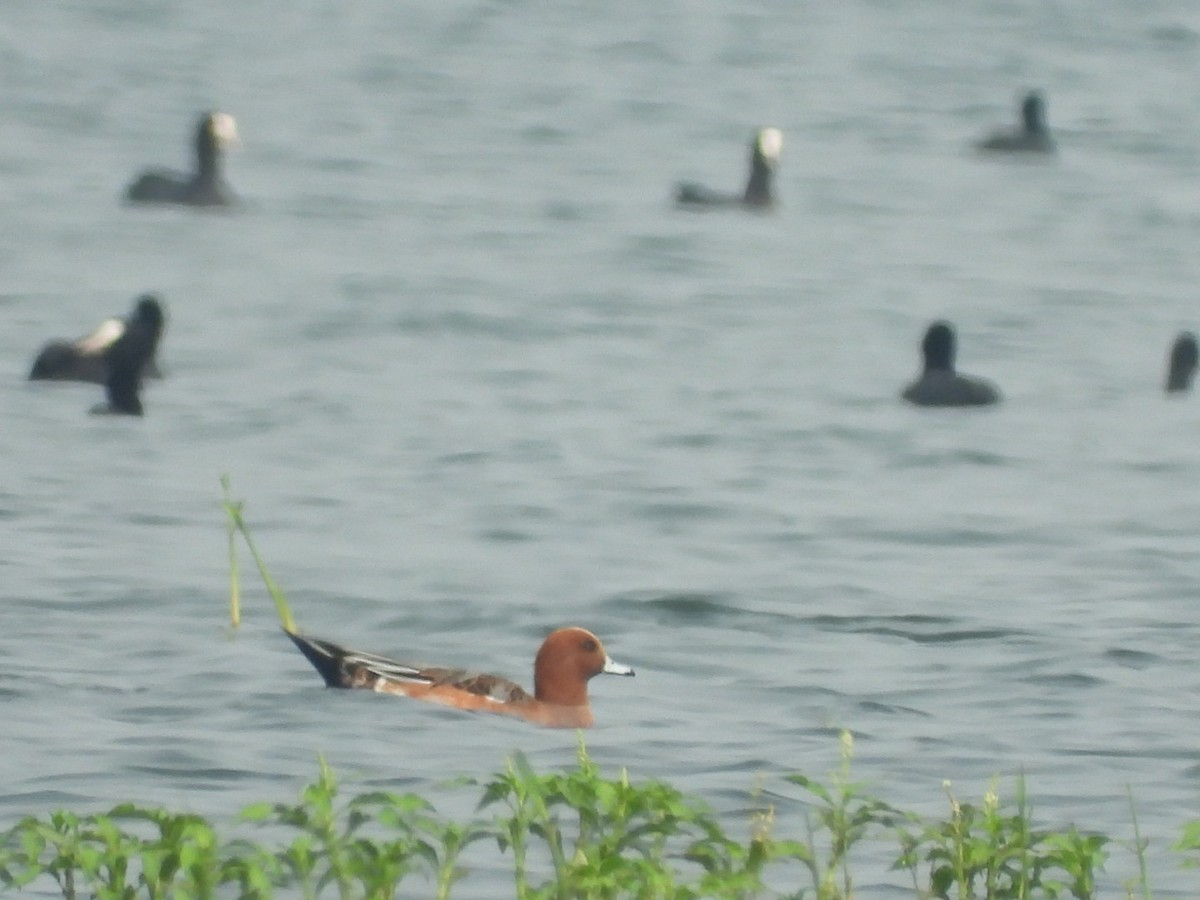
(83, 359)
(939, 384)
(765, 149)
(1182, 364)
(1031, 136)
(204, 187)
(126, 360)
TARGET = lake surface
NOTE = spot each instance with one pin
(476, 378)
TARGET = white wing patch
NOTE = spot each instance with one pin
(102, 338)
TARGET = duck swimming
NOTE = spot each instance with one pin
(126, 360)
(566, 661)
(83, 359)
(1182, 364)
(1031, 136)
(939, 384)
(204, 187)
(765, 149)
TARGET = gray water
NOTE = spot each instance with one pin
(476, 378)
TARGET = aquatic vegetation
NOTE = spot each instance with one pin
(108, 856)
(986, 851)
(332, 846)
(611, 838)
(843, 815)
(237, 524)
(571, 834)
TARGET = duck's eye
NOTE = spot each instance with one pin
(589, 645)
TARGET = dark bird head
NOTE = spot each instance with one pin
(215, 132)
(148, 314)
(938, 347)
(764, 159)
(1185, 356)
(1033, 113)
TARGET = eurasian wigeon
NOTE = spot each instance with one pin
(204, 187)
(566, 661)
(83, 359)
(939, 384)
(1182, 366)
(1031, 136)
(764, 159)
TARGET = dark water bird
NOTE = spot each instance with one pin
(84, 359)
(126, 360)
(1182, 364)
(764, 159)
(1031, 136)
(939, 384)
(215, 132)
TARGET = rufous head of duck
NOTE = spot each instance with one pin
(566, 661)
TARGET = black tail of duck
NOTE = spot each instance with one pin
(326, 658)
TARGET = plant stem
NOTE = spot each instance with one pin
(234, 510)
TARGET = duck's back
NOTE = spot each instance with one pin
(163, 186)
(158, 186)
(689, 193)
(1018, 141)
(950, 389)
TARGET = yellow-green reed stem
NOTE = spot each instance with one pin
(235, 588)
(1139, 847)
(234, 510)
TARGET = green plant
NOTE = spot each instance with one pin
(981, 851)
(236, 523)
(97, 855)
(612, 838)
(1139, 848)
(33, 848)
(574, 834)
(1079, 857)
(845, 814)
(1189, 843)
(331, 847)
(183, 855)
